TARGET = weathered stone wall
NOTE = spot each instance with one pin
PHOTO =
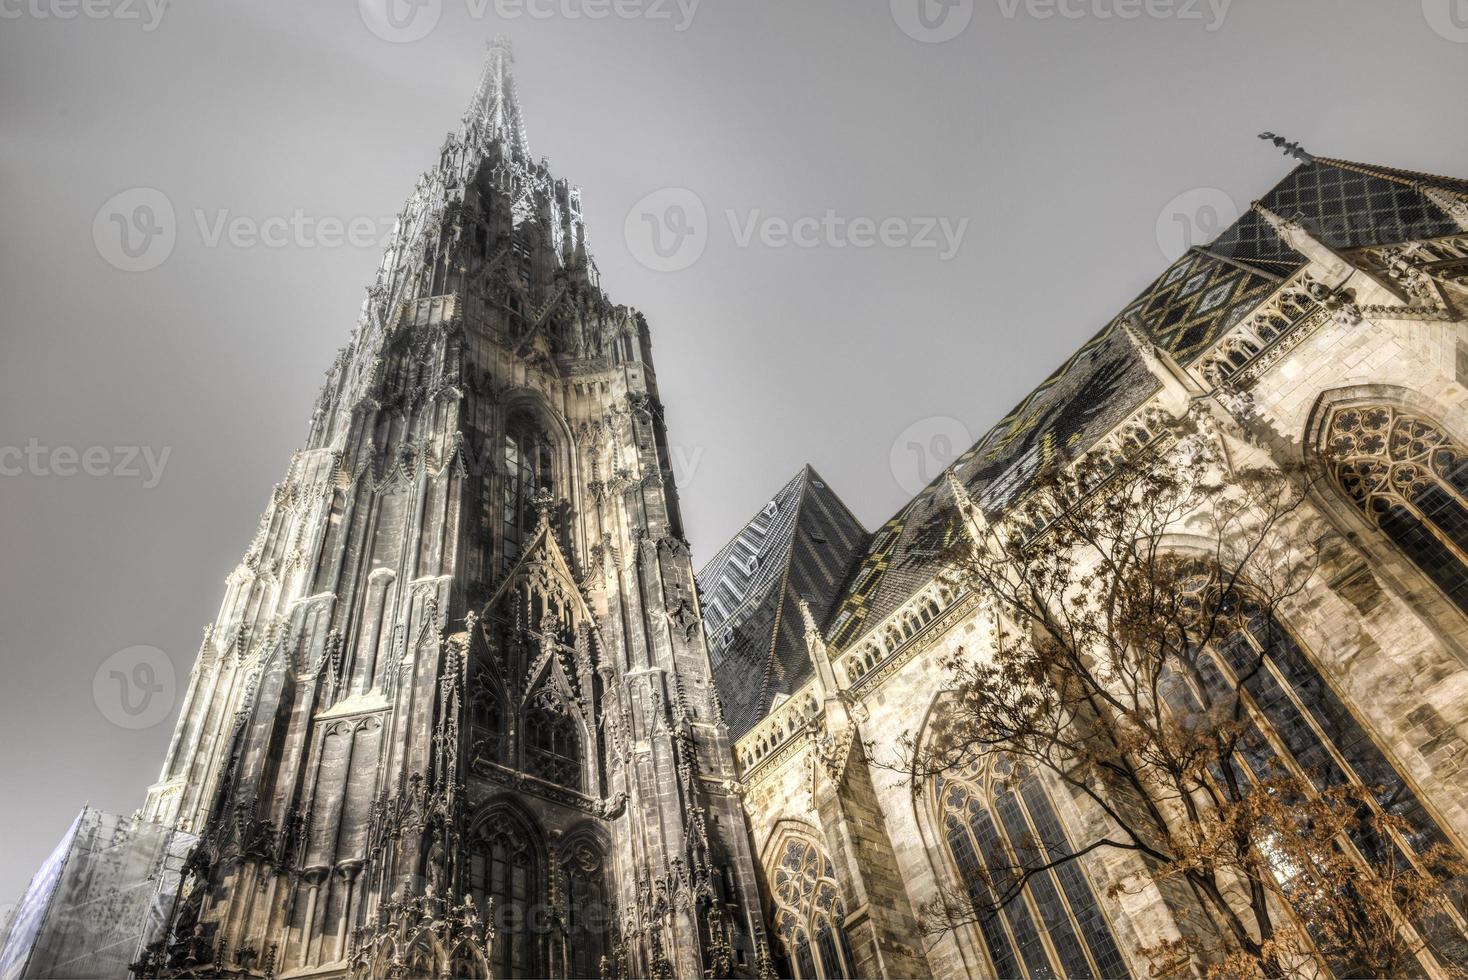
(1381, 633)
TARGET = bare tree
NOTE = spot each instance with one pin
(1136, 611)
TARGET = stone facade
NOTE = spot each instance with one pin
(1356, 301)
(460, 714)
(456, 716)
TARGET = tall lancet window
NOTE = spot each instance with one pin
(505, 866)
(587, 910)
(1411, 480)
(997, 821)
(486, 720)
(1298, 720)
(810, 918)
(529, 469)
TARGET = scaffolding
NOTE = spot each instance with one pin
(104, 893)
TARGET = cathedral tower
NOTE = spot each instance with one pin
(456, 716)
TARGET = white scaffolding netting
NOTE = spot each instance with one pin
(104, 892)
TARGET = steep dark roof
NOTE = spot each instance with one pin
(1345, 205)
(1186, 308)
(800, 544)
(1197, 298)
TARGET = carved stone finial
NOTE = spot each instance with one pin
(1180, 386)
(1452, 205)
(808, 618)
(974, 521)
(815, 648)
(1329, 267)
(544, 502)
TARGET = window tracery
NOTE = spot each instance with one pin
(588, 913)
(552, 742)
(504, 867)
(997, 821)
(1296, 718)
(529, 470)
(809, 915)
(1410, 480)
(486, 723)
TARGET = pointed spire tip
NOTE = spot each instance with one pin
(496, 106)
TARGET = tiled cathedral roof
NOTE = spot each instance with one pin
(800, 544)
(1203, 293)
(758, 649)
(1345, 205)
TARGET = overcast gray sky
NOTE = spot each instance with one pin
(1078, 142)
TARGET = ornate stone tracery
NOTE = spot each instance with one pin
(1409, 479)
(461, 596)
(809, 918)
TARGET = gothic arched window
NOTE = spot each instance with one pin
(997, 822)
(504, 866)
(588, 913)
(486, 724)
(809, 914)
(1410, 480)
(1298, 719)
(529, 469)
(552, 743)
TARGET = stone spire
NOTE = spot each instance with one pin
(496, 108)
(1180, 386)
(974, 522)
(1326, 264)
(815, 645)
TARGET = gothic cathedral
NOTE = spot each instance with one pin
(466, 712)
(456, 716)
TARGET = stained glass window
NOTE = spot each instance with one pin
(1411, 480)
(503, 866)
(810, 918)
(997, 821)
